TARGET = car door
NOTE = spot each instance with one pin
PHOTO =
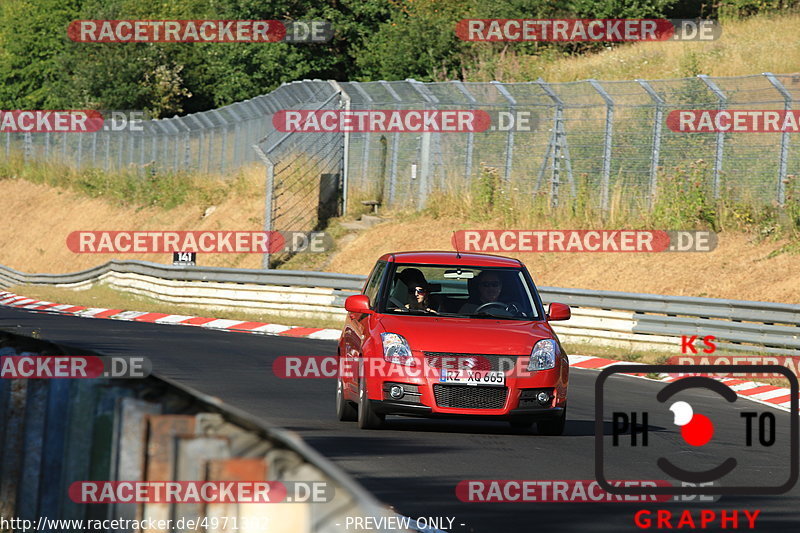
(357, 332)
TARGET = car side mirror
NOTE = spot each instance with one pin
(358, 303)
(557, 311)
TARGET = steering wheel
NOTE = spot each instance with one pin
(509, 308)
(489, 305)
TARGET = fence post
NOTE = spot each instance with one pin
(210, 127)
(720, 138)
(237, 145)
(187, 149)
(436, 137)
(365, 154)
(425, 149)
(604, 186)
(344, 103)
(555, 144)
(223, 133)
(512, 103)
(267, 202)
(131, 148)
(27, 145)
(153, 154)
(107, 160)
(142, 160)
(395, 144)
(787, 106)
(656, 151)
(94, 149)
(473, 103)
(120, 150)
(79, 157)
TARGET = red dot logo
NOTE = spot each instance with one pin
(696, 429)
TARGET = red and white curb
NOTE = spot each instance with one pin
(21, 302)
(779, 397)
(759, 392)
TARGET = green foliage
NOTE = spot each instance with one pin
(683, 200)
(486, 191)
(40, 68)
(33, 39)
(127, 187)
(633, 9)
(748, 8)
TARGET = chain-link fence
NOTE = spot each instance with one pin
(304, 171)
(214, 142)
(597, 140)
(602, 136)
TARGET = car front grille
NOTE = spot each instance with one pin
(470, 361)
(470, 397)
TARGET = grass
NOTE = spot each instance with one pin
(682, 203)
(744, 47)
(132, 187)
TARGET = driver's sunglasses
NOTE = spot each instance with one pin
(417, 290)
(490, 284)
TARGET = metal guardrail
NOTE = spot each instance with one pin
(57, 431)
(600, 316)
(9, 276)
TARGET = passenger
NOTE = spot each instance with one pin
(419, 297)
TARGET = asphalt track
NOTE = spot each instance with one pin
(415, 465)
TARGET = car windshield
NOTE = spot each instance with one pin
(459, 291)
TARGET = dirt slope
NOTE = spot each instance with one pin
(737, 269)
(37, 219)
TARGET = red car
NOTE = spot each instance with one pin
(448, 334)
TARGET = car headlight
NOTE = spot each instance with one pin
(396, 349)
(543, 355)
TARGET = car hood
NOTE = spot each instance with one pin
(467, 335)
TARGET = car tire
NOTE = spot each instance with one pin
(345, 410)
(367, 418)
(553, 427)
(521, 422)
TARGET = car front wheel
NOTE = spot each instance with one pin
(367, 418)
(345, 411)
(553, 427)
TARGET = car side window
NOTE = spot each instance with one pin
(374, 282)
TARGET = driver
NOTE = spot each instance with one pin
(489, 288)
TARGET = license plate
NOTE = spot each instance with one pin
(473, 377)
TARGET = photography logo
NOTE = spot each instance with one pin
(694, 430)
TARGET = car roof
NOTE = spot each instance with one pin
(451, 258)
